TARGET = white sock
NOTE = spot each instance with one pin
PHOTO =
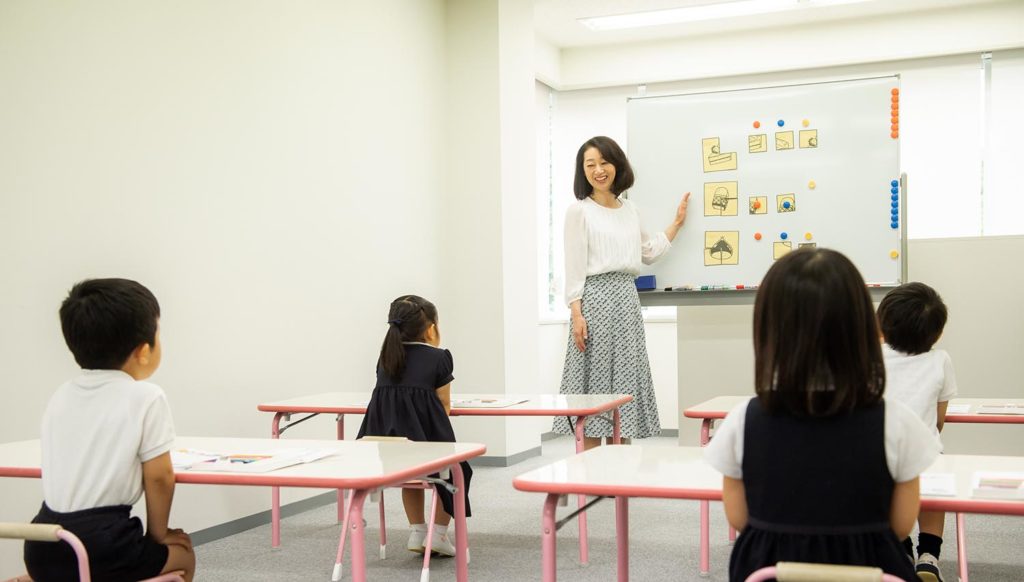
(440, 529)
(420, 527)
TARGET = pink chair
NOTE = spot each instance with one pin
(54, 533)
(425, 483)
(801, 572)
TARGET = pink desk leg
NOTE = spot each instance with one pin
(461, 536)
(336, 576)
(548, 531)
(705, 431)
(275, 492)
(616, 428)
(355, 523)
(581, 500)
(705, 545)
(961, 548)
(622, 536)
(341, 492)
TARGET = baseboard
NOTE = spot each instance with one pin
(665, 432)
(248, 522)
(487, 461)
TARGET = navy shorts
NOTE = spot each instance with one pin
(118, 547)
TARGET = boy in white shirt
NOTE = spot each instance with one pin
(106, 437)
(911, 318)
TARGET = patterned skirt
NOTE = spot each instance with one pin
(615, 361)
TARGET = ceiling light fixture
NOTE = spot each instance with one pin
(703, 12)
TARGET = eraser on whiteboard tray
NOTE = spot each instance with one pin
(646, 283)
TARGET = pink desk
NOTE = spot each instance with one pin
(580, 407)
(681, 473)
(716, 409)
(360, 466)
(622, 472)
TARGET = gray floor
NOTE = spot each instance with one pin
(505, 540)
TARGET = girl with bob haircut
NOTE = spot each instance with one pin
(818, 466)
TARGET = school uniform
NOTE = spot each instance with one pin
(409, 407)
(604, 251)
(820, 489)
(920, 381)
(97, 431)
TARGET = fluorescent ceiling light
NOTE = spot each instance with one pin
(702, 12)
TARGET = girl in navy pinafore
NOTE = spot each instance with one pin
(412, 399)
(819, 467)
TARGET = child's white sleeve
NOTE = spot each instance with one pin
(948, 379)
(157, 429)
(725, 451)
(910, 446)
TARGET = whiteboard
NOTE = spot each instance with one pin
(834, 159)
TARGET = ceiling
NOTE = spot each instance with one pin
(555, 21)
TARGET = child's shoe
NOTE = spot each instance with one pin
(928, 568)
(441, 544)
(416, 538)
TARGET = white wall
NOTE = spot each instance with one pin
(274, 172)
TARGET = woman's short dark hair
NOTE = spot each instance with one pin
(104, 320)
(613, 154)
(816, 346)
(912, 317)
(408, 319)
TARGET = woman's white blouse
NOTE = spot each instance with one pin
(605, 240)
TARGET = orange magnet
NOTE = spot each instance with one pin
(757, 124)
(757, 236)
(894, 127)
(757, 204)
(894, 134)
(895, 91)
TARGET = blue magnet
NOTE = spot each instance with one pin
(894, 190)
(895, 197)
(781, 123)
(895, 213)
(895, 204)
(786, 204)
(784, 236)
(894, 224)
(894, 184)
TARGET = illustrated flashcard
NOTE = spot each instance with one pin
(785, 202)
(721, 198)
(714, 159)
(759, 205)
(808, 245)
(757, 143)
(784, 140)
(721, 247)
(781, 248)
(808, 138)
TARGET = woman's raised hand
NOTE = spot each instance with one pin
(681, 210)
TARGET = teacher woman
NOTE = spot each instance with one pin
(604, 247)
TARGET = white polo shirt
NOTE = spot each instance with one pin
(920, 381)
(97, 431)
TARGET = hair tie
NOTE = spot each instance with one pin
(394, 322)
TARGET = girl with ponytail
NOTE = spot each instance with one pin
(412, 399)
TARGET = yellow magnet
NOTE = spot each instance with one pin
(894, 254)
(806, 123)
(808, 236)
(811, 184)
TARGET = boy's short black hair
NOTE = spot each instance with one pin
(104, 320)
(912, 317)
(612, 154)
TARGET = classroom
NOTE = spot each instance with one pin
(278, 172)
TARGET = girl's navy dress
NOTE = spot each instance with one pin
(811, 501)
(409, 407)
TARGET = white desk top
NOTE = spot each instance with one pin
(717, 407)
(355, 465)
(681, 473)
(630, 470)
(534, 405)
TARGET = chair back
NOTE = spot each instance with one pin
(802, 572)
